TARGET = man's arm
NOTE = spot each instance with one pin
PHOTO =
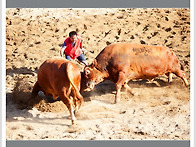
(62, 49)
(84, 51)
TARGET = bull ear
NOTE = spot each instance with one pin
(94, 63)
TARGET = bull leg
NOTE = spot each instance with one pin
(77, 99)
(129, 89)
(153, 82)
(81, 100)
(122, 81)
(69, 92)
(181, 74)
(117, 96)
(119, 83)
(69, 105)
(131, 76)
(170, 77)
(75, 104)
(169, 74)
(36, 89)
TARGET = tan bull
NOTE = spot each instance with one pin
(122, 62)
(59, 77)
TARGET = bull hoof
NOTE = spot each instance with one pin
(188, 86)
(75, 112)
(135, 93)
(116, 101)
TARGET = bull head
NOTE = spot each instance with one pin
(92, 75)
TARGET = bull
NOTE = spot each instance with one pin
(59, 77)
(122, 62)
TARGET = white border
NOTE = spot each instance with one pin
(192, 112)
(3, 74)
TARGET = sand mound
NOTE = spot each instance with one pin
(54, 107)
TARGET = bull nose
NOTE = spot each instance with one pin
(90, 84)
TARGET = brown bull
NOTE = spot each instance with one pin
(58, 77)
(122, 62)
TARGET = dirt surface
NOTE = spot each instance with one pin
(157, 112)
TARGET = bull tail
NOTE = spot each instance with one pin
(70, 77)
(76, 93)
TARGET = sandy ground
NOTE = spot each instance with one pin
(158, 112)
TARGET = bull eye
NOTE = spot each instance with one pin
(87, 72)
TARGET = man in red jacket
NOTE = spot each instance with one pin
(72, 48)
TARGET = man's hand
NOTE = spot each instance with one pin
(84, 51)
(62, 51)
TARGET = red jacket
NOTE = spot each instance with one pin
(75, 51)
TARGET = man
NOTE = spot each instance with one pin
(72, 48)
